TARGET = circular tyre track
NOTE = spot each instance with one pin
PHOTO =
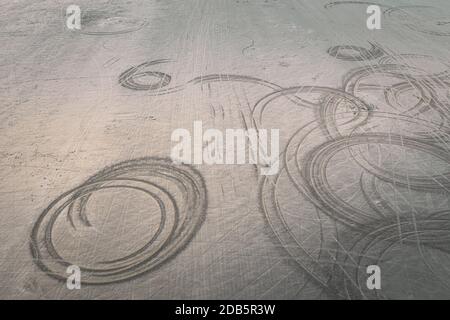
(315, 166)
(410, 80)
(355, 53)
(158, 179)
(107, 26)
(372, 248)
(331, 100)
(130, 77)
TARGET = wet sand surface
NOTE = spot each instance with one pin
(86, 120)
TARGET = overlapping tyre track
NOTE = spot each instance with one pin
(343, 124)
(159, 179)
(308, 174)
(355, 53)
(348, 130)
(431, 232)
(315, 165)
(340, 115)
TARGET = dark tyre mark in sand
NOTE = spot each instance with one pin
(161, 181)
